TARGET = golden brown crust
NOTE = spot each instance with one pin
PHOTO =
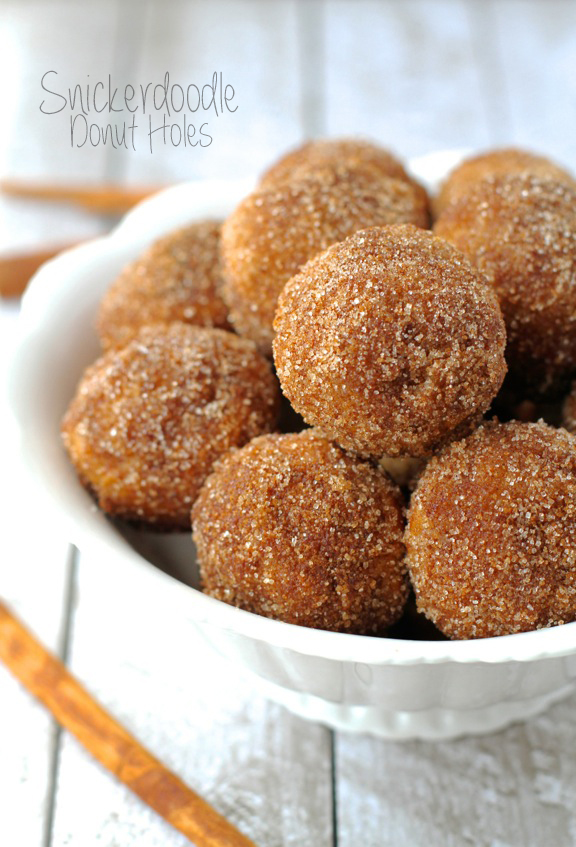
(292, 527)
(506, 161)
(339, 153)
(491, 534)
(520, 231)
(334, 151)
(391, 342)
(176, 279)
(277, 228)
(148, 421)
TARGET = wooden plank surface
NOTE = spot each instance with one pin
(405, 74)
(35, 559)
(268, 771)
(538, 62)
(34, 571)
(514, 788)
(418, 75)
(35, 38)
(254, 45)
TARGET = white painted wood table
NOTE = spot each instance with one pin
(416, 75)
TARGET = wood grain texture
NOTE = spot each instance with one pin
(254, 45)
(417, 75)
(265, 770)
(48, 680)
(537, 43)
(404, 74)
(36, 37)
(35, 559)
(33, 573)
(512, 789)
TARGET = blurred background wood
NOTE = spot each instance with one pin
(416, 75)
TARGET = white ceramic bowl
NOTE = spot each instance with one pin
(393, 688)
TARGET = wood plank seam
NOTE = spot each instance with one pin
(334, 786)
(63, 652)
(126, 51)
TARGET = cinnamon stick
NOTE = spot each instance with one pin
(107, 199)
(16, 270)
(112, 745)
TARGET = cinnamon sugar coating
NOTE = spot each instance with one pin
(569, 411)
(491, 534)
(277, 228)
(292, 527)
(506, 161)
(338, 153)
(176, 279)
(391, 342)
(148, 421)
(520, 230)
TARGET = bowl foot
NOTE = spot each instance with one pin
(430, 724)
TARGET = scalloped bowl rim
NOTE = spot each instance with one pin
(55, 482)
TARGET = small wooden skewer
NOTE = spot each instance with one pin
(113, 746)
(16, 270)
(105, 199)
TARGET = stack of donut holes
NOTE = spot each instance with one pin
(356, 395)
